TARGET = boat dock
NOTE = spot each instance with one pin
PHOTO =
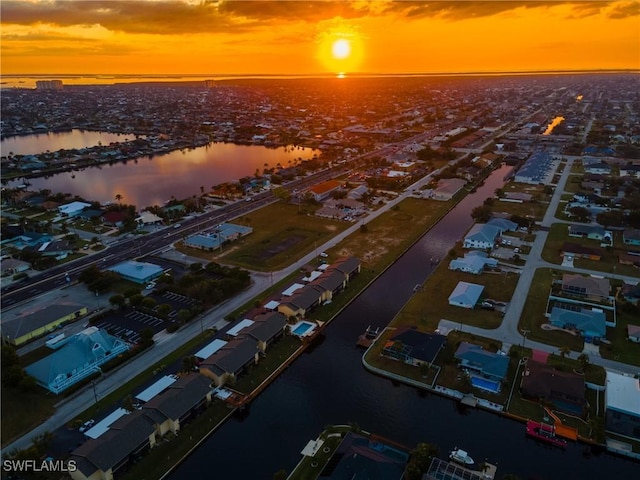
(366, 339)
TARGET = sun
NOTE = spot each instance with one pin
(341, 49)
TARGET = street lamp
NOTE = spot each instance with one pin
(524, 336)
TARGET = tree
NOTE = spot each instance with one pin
(146, 334)
(118, 198)
(583, 358)
(581, 214)
(149, 303)
(420, 460)
(164, 310)
(189, 363)
(117, 300)
(280, 475)
(614, 218)
(282, 194)
(481, 213)
(564, 351)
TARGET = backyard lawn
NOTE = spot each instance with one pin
(429, 305)
(559, 234)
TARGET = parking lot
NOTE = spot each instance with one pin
(127, 324)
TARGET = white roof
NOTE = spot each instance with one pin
(156, 388)
(312, 276)
(210, 349)
(271, 305)
(323, 267)
(103, 425)
(73, 207)
(623, 393)
(148, 217)
(242, 324)
(292, 289)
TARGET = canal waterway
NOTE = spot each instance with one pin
(329, 385)
(148, 181)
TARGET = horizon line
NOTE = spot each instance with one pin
(352, 74)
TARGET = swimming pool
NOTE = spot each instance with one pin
(302, 328)
(484, 384)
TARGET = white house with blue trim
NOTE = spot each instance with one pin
(77, 359)
(465, 295)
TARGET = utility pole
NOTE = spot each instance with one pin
(95, 395)
(524, 336)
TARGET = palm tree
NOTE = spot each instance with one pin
(118, 198)
(583, 358)
(564, 351)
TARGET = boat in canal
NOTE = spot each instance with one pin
(545, 433)
(460, 456)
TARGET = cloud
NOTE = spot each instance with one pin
(208, 16)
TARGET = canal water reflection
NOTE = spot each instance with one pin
(328, 385)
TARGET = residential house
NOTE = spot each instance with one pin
(591, 323)
(622, 405)
(600, 168)
(72, 209)
(503, 224)
(564, 390)
(631, 236)
(26, 326)
(59, 249)
(536, 169)
(447, 188)
(230, 361)
(588, 288)
(630, 171)
(13, 266)
(465, 295)
(181, 401)
(482, 236)
(576, 250)
(102, 458)
(348, 266)
(358, 192)
(480, 362)
(414, 347)
(302, 301)
(114, 218)
(633, 333)
(266, 329)
(593, 232)
(79, 358)
(323, 190)
(137, 272)
(330, 282)
(629, 259)
(473, 262)
(631, 293)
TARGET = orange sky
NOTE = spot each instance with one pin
(295, 37)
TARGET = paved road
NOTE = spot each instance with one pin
(165, 343)
(508, 331)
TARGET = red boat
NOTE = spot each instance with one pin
(545, 433)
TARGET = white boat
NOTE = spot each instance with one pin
(460, 456)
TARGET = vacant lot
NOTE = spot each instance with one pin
(383, 239)
(280, 237)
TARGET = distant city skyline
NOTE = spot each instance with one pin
(164, 37)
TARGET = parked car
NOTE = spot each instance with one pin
(87, 425)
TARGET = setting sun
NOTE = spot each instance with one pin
(341, 48)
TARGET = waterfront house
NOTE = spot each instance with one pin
(137, 272)
(80, 357)
(482, 236)
(622, 405)
(480, 362)
(414, 347)
(564, 390)
(348, 266)
(26, 326)
(330, 282)
(266, 329)
(181, 401)
(114, 218)
(588, 288)
(102, 458)
(631, 293)
(473, 262)
(447, 188)
(503, 224)
(230, 361)
(600, 168)
(591, 323)
(302, 301)
(465, 295)
(72, 209)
